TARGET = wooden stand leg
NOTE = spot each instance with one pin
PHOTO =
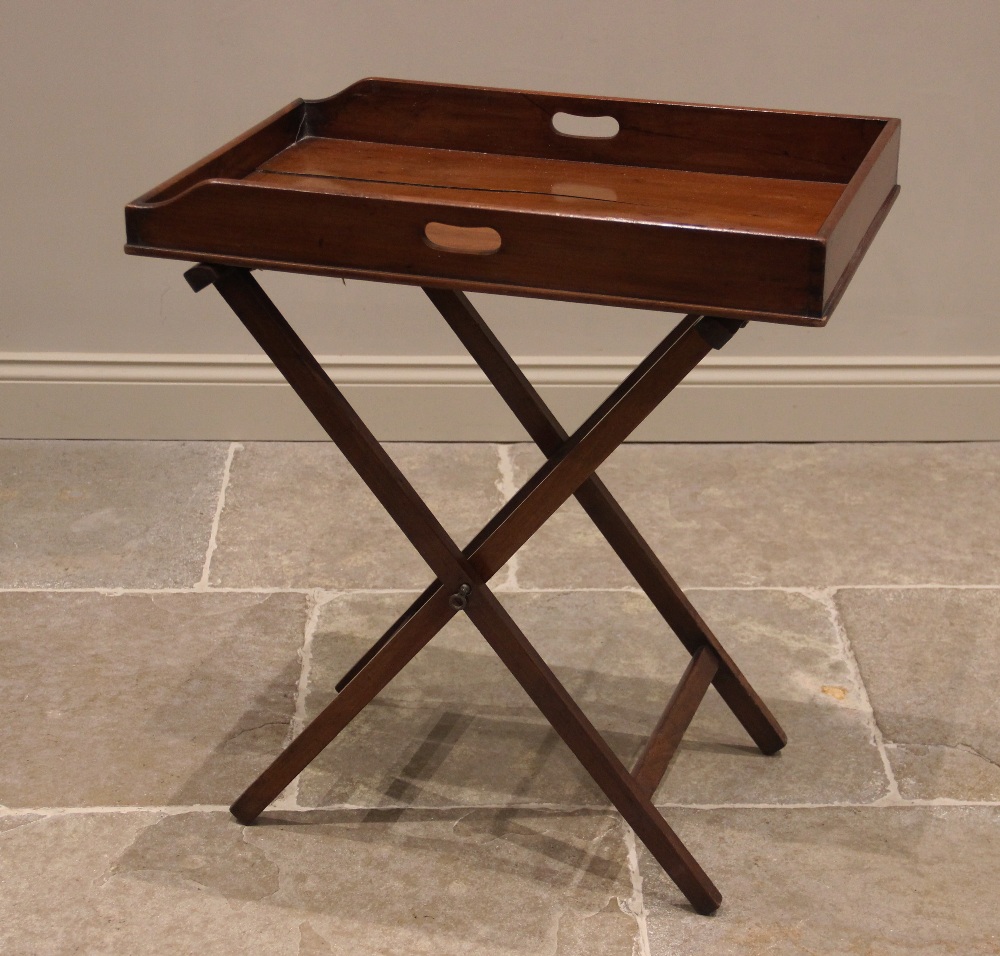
(398, 651)
(608, 772)
(462, 575)
(666, 736)
(598, 502)
(400, 622)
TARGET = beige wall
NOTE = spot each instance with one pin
(104, 99)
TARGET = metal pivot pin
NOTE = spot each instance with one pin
(460, 599)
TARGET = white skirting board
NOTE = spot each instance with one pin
(445, 398)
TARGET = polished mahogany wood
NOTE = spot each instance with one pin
(557, 187)
(733, 141)
(576, 730)
(728, 214)
(610, 424)
(545, 430)
(670, 728)
(617, 528)
(744, 213)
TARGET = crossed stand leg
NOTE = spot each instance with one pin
(462, 573)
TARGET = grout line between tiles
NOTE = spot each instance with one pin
(118, 592)
(807, 589)
(625, 589)
(827, 596)
(168, 809)
(317, 600)
(592, 807)
(176, 809)
(636, 903)
(507, 486)
(202, 585)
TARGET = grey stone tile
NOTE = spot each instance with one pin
(351, 883)
(785, 515)
(930, 659)
(296, 515)
(455, 729)
(105, 513)
(887, 881)
(787, 646)
(143, 699)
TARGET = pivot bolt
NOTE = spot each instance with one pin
(460, 599)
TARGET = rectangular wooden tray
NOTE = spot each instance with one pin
(748, 213)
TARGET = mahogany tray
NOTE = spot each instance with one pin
(741, 213)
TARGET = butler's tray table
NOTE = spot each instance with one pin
(728, 215)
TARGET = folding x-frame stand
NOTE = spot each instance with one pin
(462, 573)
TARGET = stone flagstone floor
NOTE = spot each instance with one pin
(172, 613)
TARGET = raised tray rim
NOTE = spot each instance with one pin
(290, 124)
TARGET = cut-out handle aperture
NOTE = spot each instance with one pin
(469, 240)
(585, 127)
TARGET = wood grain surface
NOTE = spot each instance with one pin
(745, 213)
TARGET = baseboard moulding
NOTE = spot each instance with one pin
(727, 399)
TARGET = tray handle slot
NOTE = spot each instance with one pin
(585, 127)
(467, 240)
